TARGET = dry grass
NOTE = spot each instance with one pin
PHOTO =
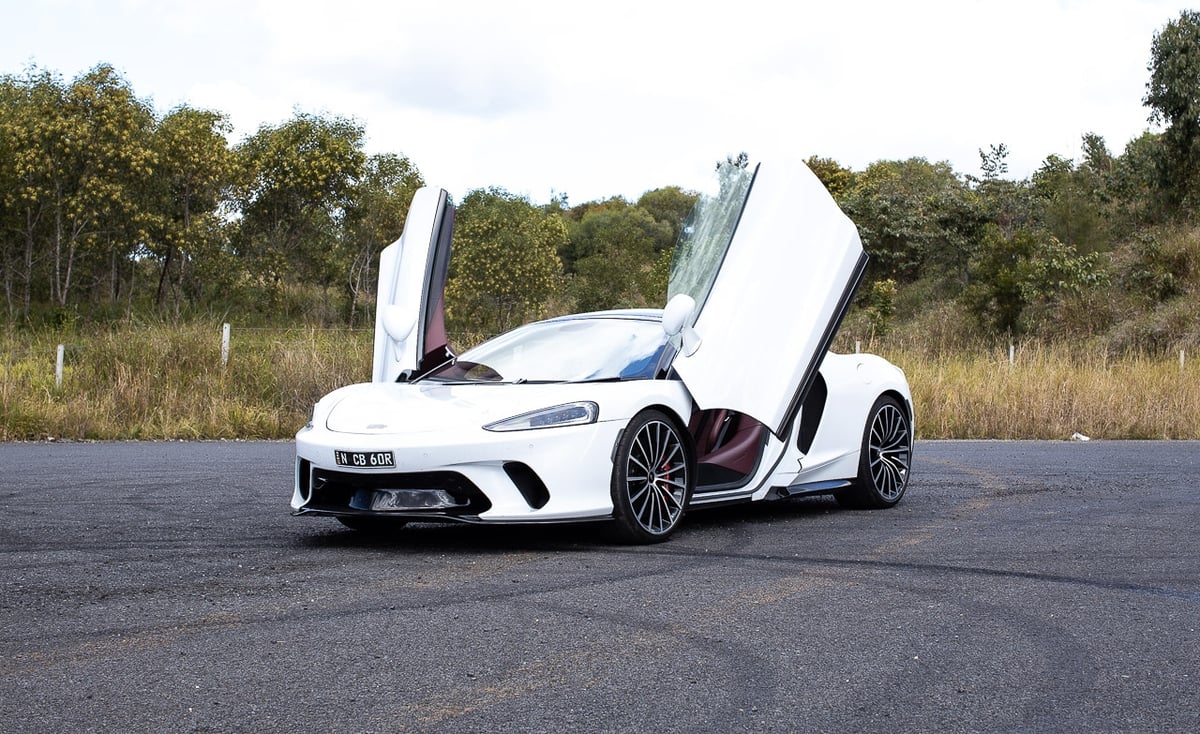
(161, 382)
(1051, 393)
(165, 382)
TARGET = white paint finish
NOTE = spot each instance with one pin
(792, 256)
(403, 284)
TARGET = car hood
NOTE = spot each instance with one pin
(428, 407)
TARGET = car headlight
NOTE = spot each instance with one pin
(570, 414)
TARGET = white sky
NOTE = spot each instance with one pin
(614, 98)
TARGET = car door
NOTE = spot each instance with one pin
(772, 264)
(410, 323)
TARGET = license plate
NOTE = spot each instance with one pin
(365, 459)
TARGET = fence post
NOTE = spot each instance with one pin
(58, 368)
(1012, 354)
(225, 345)
(857, 346)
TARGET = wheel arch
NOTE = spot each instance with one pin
(645, 516)
(680, 424)
(905, 402)
(671, 413)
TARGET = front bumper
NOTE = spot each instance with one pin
(548, 475)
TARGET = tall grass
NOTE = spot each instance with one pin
(1052, 393)
(161, 381)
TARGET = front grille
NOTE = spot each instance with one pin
(332, 491)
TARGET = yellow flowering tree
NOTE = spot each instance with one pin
(504, 264)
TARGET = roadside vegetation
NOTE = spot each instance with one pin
(166, 381)
(130, 236)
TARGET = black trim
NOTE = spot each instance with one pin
(810, 416)
(304, 478)
(442, 517)
(332, 492)
(810, 374)
(437, 268)
(528, 483)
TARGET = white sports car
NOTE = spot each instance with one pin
(726, 395)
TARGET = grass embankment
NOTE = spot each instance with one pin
(162, 382)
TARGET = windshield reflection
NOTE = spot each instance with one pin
(570, 350)
(706, 234)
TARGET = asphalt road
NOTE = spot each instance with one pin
(1020, 586)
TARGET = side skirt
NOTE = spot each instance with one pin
(803, 488)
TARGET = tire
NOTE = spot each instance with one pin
(884, 460)
(371, 524)
(654, 473)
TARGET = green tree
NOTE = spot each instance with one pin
(908, 215)
(994, 162)
(1138, 196)
(78, 163)
(1173, 96)
(27, 105)
(1009, 204)
(1012, 273)
(298, 181)
(1097, 159)
(838, 179)
(1071, 205)
(582, 242)
(616, 247)
(375, 218)
(504, 266)
(192, 179)
(669, 205)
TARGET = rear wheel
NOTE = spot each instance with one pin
(653, 477)
(371, 524)
(884, 460)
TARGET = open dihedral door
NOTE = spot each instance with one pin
(772, 263)
(410, 322)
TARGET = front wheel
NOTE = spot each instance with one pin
(653, 477)
(884, 460)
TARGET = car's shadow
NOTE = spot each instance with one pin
(452, 537)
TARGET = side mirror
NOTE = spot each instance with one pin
(677, 313)
(677, 318)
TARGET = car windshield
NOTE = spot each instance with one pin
(567, 350)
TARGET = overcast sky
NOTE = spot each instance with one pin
(611, 98)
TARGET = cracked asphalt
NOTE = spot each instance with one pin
(1019, 587)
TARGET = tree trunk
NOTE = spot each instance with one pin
(164, 275)
(30, 220)
(55, 296)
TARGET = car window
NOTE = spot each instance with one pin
(707, 232)
(568, 350)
